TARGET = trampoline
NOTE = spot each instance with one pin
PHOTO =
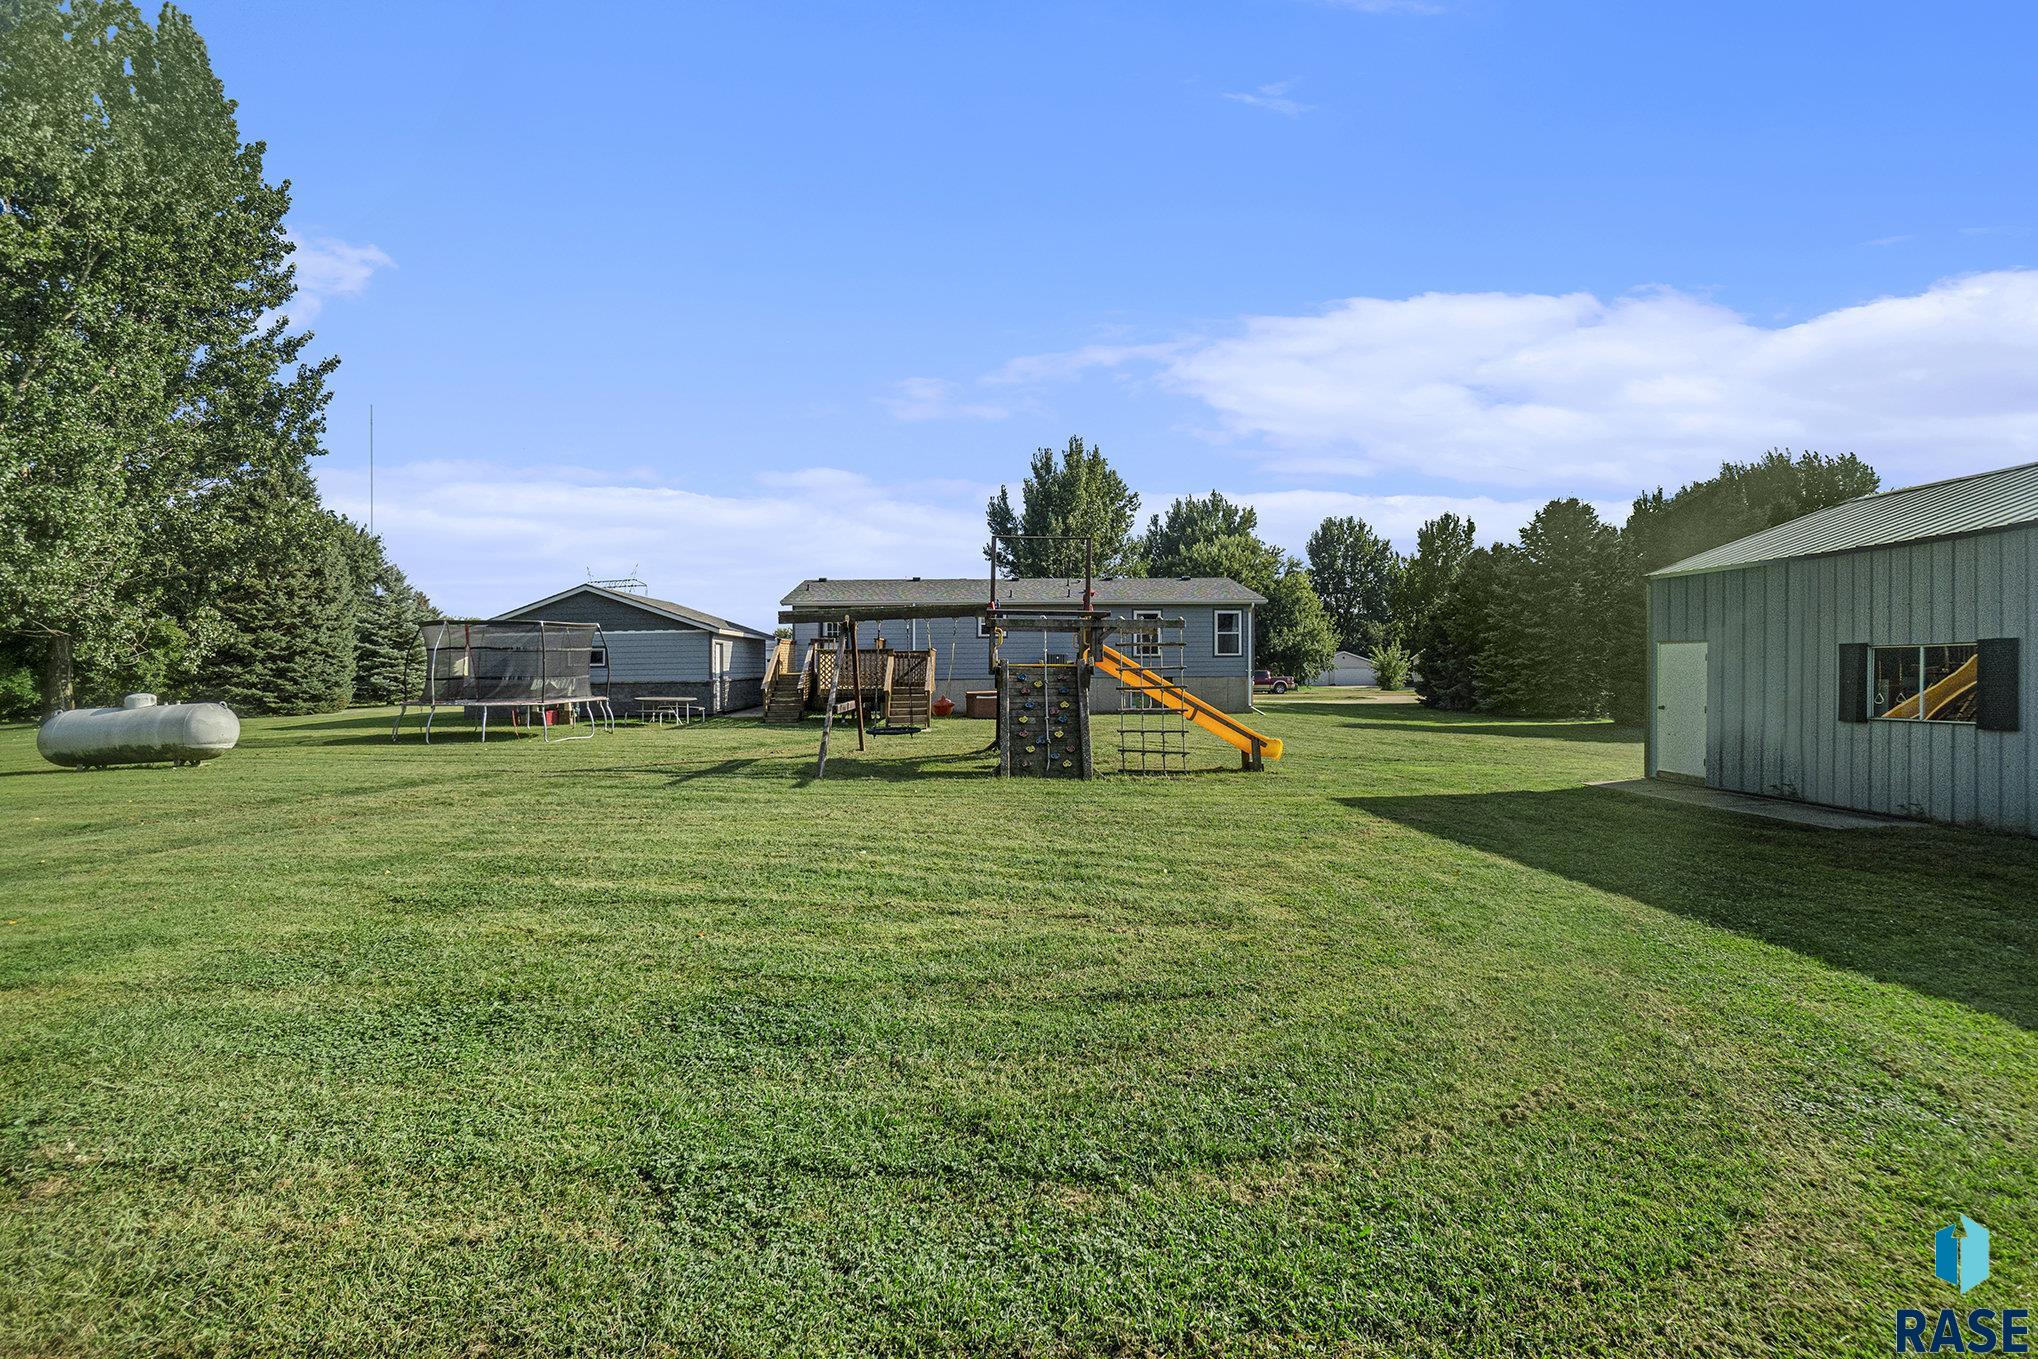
(530, 669)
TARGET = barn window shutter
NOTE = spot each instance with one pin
(1997, 675)
(1853, 681)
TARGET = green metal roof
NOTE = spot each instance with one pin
(1938, 509)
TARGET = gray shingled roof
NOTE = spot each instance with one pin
(678, 612)
(973, 592)
(1938, 509)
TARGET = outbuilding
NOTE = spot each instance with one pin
(656, 648)
(1871, 656)
(1349, 667)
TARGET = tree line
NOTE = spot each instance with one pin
(1553, 624)
(159, 526)
(1080, 494)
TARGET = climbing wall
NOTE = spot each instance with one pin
(1044, 721)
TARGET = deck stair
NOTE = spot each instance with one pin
(786, 685)
(908, 690)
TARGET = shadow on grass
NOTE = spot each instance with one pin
(1406, 716)
(1942, 911)
(452, 727)
(726, 769)
(852, 764)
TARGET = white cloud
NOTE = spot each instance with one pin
(921, 398)
(1074, 362)
(327, 268)
(480, 537)
(1572, 394)
(1273, 98)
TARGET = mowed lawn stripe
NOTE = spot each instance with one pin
(1413, 1043)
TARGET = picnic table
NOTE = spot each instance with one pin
(679, 709)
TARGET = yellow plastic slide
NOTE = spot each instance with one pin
(1943, 695)
(1215, 721)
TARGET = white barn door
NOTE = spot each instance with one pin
(1680, 709)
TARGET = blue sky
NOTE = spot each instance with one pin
(731, 295)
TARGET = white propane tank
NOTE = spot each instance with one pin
(139, 731)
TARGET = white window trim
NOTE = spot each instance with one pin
(829, 631)
(598, 658)
(983, 627)
(1149, 647)
(1217, 634)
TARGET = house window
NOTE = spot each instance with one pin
(598, 658)
(1925, 683)
(1230, 633)
(1147, 647)
(830, 631)
(984, 626)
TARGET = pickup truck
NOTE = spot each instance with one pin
(1265, 682)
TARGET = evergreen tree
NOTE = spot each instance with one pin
(389, 654)
(285, 594)
(388, 651)
(1453, 633)
(1548, 651)
(144, 353)
(1356, 573)
(1081, 495)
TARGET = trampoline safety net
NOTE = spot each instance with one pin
(506, 663)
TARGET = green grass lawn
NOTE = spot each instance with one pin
(651, 1044)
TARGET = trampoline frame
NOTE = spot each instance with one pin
(599, 712)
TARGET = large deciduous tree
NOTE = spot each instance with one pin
(1215, 536)
(1743, 498)
(1190, 524)
(1080, 495)
(145, 361)
(1294, 634)
(1211, 536)
(1355, 572)
(1442, 546)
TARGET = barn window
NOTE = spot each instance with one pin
(598, 657)
(1931, 683)
(1230, 633)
